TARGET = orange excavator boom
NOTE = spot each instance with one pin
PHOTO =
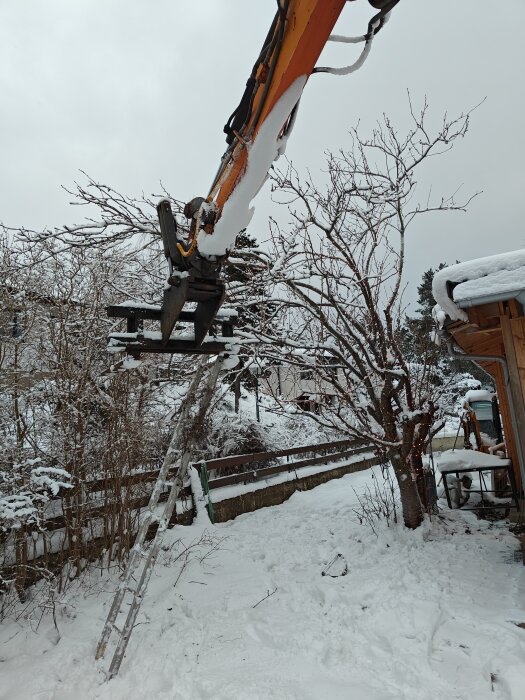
(256, 135)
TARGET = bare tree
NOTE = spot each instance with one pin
(338, 278)
(65, 419)
(63, 412)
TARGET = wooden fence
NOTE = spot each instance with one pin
(324, 452)
(99, 496)
(329, 451)
(339, 458)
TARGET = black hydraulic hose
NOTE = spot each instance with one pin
(241, 116)
(384, 6)
(283, 12)
(247, 97)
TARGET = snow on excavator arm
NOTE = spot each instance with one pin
(256, 135)
(258, 128)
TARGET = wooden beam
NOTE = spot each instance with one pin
(513, 331)
(484, 316)
(479, 342)
(496, 370)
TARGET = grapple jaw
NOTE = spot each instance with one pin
(208, 294)
(174, 298)
(137, 339)
(193, 280)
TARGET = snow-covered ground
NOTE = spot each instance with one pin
(430, 614)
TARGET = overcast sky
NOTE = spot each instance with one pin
(136, 93)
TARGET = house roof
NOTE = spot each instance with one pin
(481, 281)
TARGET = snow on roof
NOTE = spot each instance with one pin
(499, 276)
(505, 283)
(452, 460)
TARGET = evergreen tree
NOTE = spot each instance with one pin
(426, 301)
(416, 338)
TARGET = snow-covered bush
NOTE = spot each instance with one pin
(25, 488)
(379, 502)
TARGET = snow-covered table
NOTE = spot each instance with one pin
(462, 463)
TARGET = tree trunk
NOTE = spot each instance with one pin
(410, 500)
(419, 473)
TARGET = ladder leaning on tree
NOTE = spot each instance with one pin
(141, 561)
